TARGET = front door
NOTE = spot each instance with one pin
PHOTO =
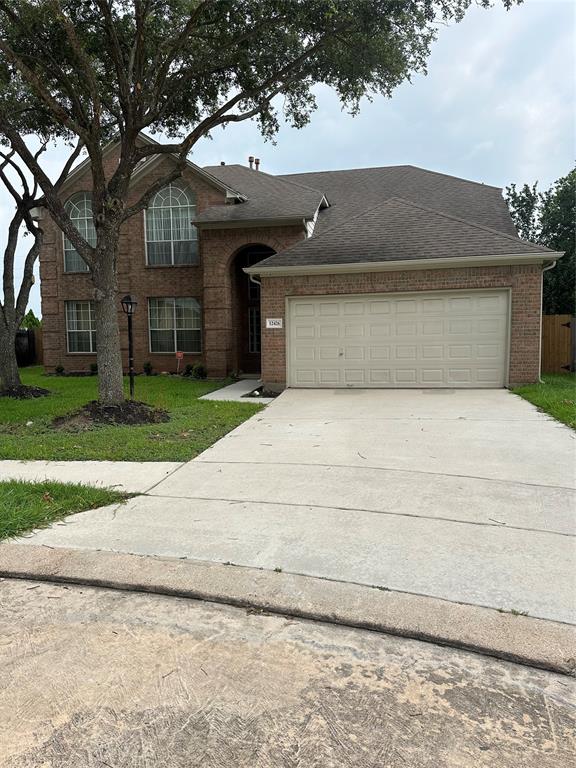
(249, 322)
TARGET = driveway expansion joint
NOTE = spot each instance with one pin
(333, 507)
(387, 469)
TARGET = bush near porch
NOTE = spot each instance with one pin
(26, 430)
(556, 395)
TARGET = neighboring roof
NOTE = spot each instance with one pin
(267, 197)
(352, 191)
(400, 230)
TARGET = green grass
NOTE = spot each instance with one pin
(194, 424)
(556, 396)
(25, 505)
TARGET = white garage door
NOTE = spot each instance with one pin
(448, 339)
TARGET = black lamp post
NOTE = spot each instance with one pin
(129, 307)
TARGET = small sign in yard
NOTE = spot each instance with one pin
(179, 356)
(273, 322)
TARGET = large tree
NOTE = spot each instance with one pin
(549, 218)
(26, 199)
(91, 70)
(15, 298)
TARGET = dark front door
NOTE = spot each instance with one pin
(249, 320)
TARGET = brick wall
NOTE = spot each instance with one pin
(209, 282)
(524, 281)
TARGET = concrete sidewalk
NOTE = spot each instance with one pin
(127, 476)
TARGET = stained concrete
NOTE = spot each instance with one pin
(128, 476)
(98, 678)
(543, 644)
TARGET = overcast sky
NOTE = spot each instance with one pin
(496, 106)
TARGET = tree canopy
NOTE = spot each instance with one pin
(92, 70)
(549, 218)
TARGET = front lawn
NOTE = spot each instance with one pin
(26, 431)
(556, 396)
(24, 505)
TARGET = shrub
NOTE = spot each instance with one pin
(188, 370)
(147, 367)
(59, 370)
(93, 369)
(199, 371)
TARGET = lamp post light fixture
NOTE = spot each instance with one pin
(129, 307)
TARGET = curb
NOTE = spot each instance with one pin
(538, 643)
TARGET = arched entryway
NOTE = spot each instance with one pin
(247, 320)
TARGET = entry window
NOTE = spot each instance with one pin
(171, 239)
(80, 326)
(254, 330)
(79, 208)
(175, 325)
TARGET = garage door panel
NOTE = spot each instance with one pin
(450, 339)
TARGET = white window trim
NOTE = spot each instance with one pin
(68, 350)
(154, 266)
(201, 329)
(71, 271)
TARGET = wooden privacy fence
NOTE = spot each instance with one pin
(558, 339)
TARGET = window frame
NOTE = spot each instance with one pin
(174, 328)
(91, 330)
(86, 271)
(190, 194)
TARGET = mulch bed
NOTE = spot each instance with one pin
(131, 412)
(24, 393)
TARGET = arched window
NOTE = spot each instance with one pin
(170, 236)
(79, 208)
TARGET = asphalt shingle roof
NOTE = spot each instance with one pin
(352, 191)
(269, 197)
(396, 230)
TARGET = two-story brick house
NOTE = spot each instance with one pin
(377, 277)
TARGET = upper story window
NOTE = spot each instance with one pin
(79, 208)
(170, 236)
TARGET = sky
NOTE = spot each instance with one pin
(497, 106)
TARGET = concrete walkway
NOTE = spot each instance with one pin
(127, 476)
(239, 392)
(466, 496)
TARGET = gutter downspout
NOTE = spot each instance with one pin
(544, 269)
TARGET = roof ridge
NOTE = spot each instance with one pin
(469, 223)
(277, 176)
(403, 200)
(400, 165)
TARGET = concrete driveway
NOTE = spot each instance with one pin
(467, 496)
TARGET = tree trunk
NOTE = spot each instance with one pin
(110, 382)
(9, 374)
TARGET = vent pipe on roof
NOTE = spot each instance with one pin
(257, 163)
(251, 161)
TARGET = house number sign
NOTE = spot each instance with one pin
(273, 322)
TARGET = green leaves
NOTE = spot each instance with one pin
(549, 218)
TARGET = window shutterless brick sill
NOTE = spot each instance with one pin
(170, 266)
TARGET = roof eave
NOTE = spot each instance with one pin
(253, 223)
(405, 264)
